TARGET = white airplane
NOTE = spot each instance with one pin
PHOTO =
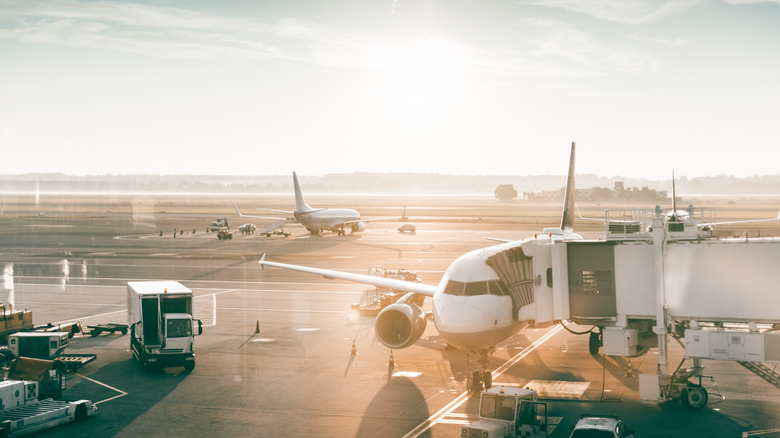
(316, 220)
(485, 297)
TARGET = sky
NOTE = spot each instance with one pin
(475, 87)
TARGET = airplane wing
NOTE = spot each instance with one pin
(592, 219)
(274, 226)
(291, 220)
(406, 286)
(713, 224)
(499, 239)
(394, 218)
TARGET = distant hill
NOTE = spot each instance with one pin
(379, 183)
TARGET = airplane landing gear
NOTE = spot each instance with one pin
(481, 378)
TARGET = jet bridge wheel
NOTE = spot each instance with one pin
(487, 378)
(694, 396)
(594, 343)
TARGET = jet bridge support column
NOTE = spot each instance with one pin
(659, 241)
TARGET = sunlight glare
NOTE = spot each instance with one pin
(419, 82)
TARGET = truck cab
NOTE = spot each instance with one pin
(506, 411)
(178, 332)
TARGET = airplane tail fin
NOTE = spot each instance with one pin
(567, 218)
(300, 204)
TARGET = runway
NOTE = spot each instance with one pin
(297, 376)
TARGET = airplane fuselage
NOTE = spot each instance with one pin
(327, 219)
(472, 308)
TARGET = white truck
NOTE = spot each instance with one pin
(507, 411)
(21, 412)
(162, 329)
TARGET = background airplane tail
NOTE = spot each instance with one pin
(567, 218)
(300, 204)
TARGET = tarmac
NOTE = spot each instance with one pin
(276, 356)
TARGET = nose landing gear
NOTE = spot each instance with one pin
(481, 378)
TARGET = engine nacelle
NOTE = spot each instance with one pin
(400, 325)
(358, 226)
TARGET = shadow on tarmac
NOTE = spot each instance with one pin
(383, 417)
(146, 390)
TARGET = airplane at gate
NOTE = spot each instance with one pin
(337, 220)
(485, 297)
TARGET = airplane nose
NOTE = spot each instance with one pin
(460, 317)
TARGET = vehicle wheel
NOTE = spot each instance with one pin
(594, 343)
(476, 382)
(189, 366)
(488, 379)
(124, 331)
(81, 412)
(94, 333)
(694, 397)
(146, 366)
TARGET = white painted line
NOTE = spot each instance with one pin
(121, 393)
(214, 316)
(759, 432)
(286, 310)
(446, 410)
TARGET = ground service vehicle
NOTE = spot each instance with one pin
(506, 411)
(162, 329)
(39, 345)
(47, 346)
(12, 322)
(407, 228)
(22, 413)
(219, 223)
(600, 426)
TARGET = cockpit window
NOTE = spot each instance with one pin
(497, 287)
(459, 288)
(478, 288)
(454, 287)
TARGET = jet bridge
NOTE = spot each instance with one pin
(660, 274)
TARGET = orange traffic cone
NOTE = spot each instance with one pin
(257, 327)
(630, 371)
(354, 350)
(391, 363)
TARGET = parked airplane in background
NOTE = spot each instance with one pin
(337, 220)
(485, 297)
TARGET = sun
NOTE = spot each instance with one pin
(418, 83)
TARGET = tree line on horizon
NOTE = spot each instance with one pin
(364, 183)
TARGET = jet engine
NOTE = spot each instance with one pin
(358, 226)
(400, 325)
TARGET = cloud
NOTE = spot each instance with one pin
(533, 47)
(556, 49)
(622, 11)
(126, 14)
(750, 2)
(140, 29)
